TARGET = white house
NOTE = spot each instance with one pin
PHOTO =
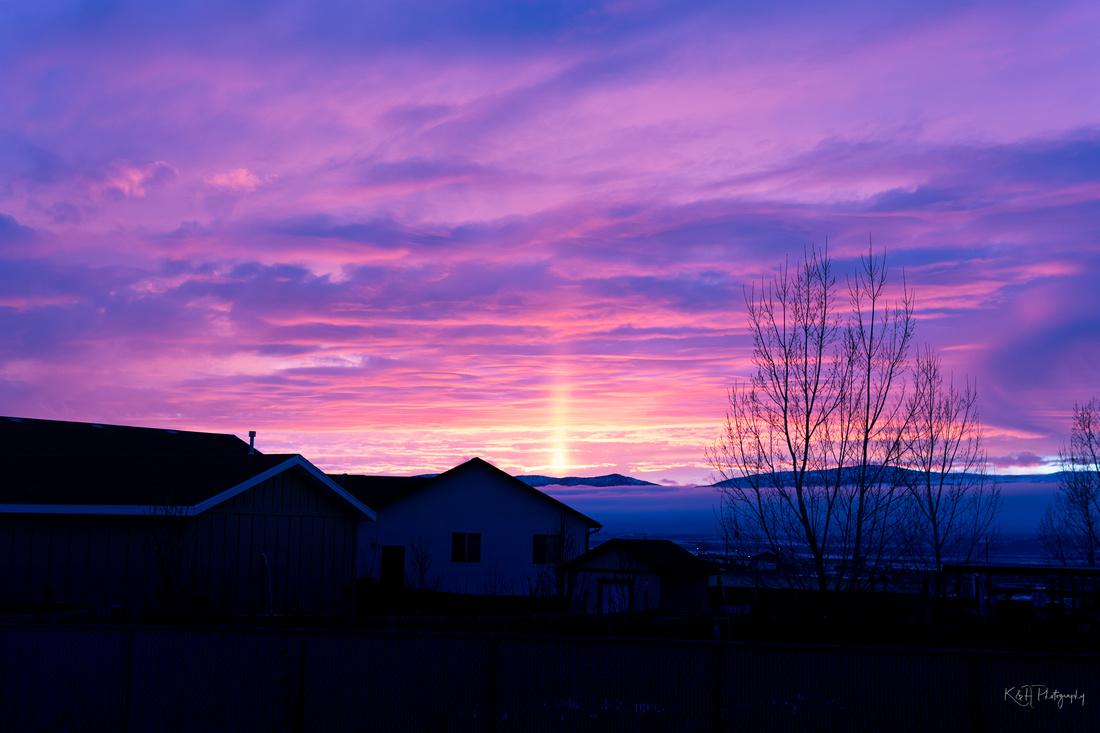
(473, 529)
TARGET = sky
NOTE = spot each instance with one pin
(395, 235)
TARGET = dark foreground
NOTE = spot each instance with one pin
(101, 678)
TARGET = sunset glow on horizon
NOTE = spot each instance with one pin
(397, 236)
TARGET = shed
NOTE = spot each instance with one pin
(636, 575)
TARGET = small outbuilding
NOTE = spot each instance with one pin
(637, 575)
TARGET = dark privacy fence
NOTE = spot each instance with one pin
(57, 678)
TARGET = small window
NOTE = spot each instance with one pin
(465, 547)
(547, 549)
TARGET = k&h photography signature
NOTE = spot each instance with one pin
(1027, 696)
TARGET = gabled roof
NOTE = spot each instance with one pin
(664, 556)
(377, 491)
(24, 436)
(139, 484)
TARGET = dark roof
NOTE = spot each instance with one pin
(664, 556)
(377, 491)
(127, 480)
(23, 436)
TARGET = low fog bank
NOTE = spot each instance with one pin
(671, 511)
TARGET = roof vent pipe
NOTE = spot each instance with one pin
(251, 442)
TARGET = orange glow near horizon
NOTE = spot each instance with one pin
(392, 240)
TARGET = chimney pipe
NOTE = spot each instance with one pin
(251, 442)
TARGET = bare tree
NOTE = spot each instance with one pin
(421, 575)
(957, 500)
(497, 582)
(865, 435)
(1070, 529)
(562, 545)
(805, 452)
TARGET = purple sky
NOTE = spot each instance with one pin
(395, 235)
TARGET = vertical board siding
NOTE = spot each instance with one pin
(19, 574)
(307, 538)
(7, 555)
(282, 564)
(60, 536)
(308, 541)
(98, 572)
(259, 582)
(243, 542)
(39, 559)
(76, 583)
(137, 590)
(317, 564)
(216, 551)
(114, 586)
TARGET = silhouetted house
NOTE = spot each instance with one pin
(766, 562)
(229, 533)
(472, 529)
(636, 575)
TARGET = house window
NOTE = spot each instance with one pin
(547, 549)
(465, 547)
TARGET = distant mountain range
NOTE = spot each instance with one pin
(617, 479)
(898, 476)
(612, 479)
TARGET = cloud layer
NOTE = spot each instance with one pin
(391, 237)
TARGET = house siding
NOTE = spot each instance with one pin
(82, 559)
(477, 500)
(308, 539)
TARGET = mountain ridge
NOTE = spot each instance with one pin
(611, 479)
(618, 479)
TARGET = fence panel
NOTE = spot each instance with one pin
(393, 682)
(548, 684)
(75, 679)
(782, 689)
(1017, 692)
(65, 679)
(215, 680)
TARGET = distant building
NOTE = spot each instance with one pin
(121, 516)
(638, 575)
(472, 529)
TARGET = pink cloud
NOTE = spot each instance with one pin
(132, 180)
(237, 179)
(527, 236)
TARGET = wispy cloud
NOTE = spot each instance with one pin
(392, 236)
